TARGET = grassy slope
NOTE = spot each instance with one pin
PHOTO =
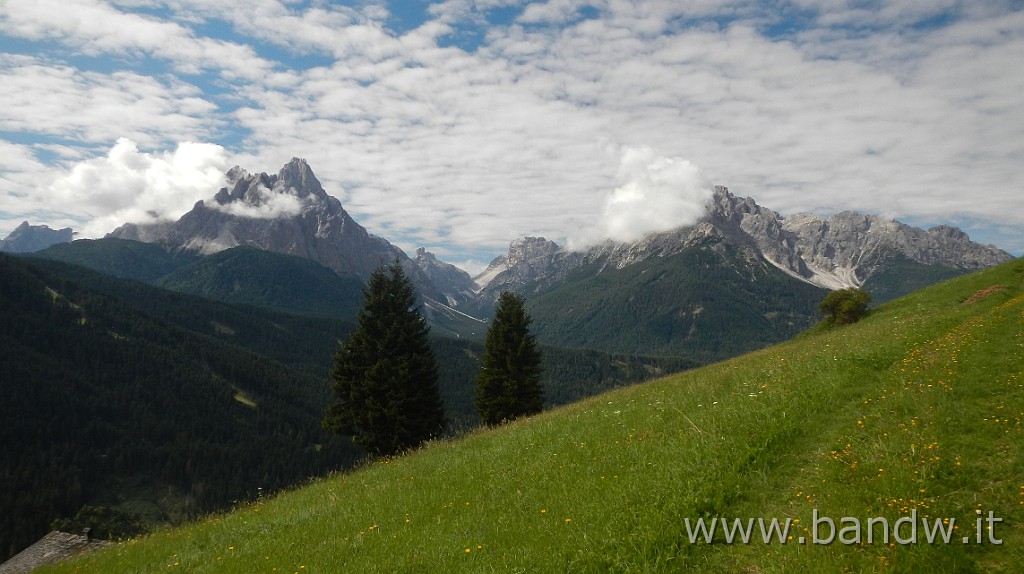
(920, 407)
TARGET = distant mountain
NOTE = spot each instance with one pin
(707, 302)
(456, 285)
(290, 213)
(740, 278)
(29, 238)
(845, 250)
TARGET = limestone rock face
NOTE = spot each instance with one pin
(847, 248)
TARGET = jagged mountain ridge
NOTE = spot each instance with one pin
(457, 286)
(291, 213)
(845, 250)
(288, 213)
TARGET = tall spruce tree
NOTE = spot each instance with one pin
(385, 374)
(508, 385)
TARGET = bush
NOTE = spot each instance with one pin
(845, 306)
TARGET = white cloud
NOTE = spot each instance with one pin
(129, 186)
(60, 101)
(657, 194)
(95, 27)
(265, 203)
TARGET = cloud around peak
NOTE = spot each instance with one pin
(657, 194)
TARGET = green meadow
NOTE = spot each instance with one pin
(916, 413)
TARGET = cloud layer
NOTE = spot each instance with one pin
(479, 121)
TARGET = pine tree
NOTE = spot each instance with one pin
(385, 374)
(508, 385)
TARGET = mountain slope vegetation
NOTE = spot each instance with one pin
(146, 262)
(99, 395)
(285, 283)
(709, 302)
(915, 412)
(244, 275)
(160, 405)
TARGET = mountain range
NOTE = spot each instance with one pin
(231, 315)
(845, 250)
(291, 213)
(740, 277)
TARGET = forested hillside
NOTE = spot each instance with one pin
(100, 396)
(708, 302)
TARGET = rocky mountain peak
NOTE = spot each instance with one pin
(848, 247)
(272, 193)
(532, 263)
(297, 174)
(726, 206)
(531, 250)
(290, 212)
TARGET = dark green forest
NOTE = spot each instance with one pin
(97, 393)
(243, 274)
(898, 275)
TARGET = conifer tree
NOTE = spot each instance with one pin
(385, 374)
(508, 385)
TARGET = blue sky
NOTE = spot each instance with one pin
(464, 124)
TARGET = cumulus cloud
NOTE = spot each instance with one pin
(130, 186)
(657, 194)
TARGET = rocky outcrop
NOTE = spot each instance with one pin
(53, 548)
